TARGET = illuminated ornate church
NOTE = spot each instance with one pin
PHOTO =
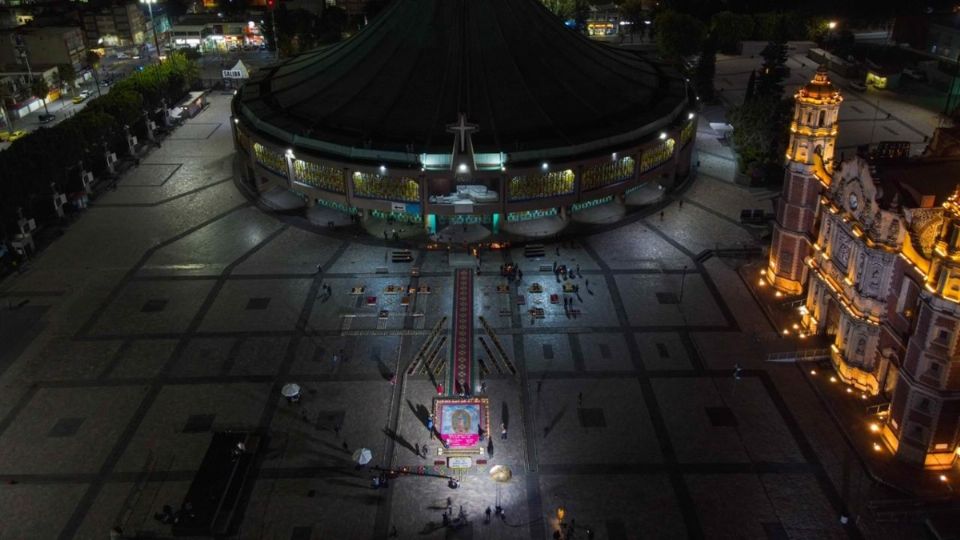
(873, 242)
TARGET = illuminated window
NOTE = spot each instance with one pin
(608, 173)
(657, 155)
(270, 159)
(319, 176)
(538, 186)
(686, 134)
(375, 186)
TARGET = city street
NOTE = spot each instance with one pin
(175, 307)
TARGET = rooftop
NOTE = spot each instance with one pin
(510, 66)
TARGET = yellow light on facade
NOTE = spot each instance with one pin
(778, 294)
(874, 427)
(796, 326)
(560, 513)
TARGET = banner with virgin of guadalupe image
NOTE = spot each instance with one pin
(461, 421)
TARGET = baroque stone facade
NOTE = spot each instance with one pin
(874, 244)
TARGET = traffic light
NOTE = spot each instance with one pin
(271, 4)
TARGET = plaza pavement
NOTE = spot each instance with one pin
(175, 307)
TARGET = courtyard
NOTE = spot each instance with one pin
(175, 307)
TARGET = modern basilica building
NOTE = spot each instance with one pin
(485, 112)
(873, 242)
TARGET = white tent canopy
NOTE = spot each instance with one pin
(239, 71)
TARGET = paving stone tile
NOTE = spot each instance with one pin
(258, 303)
(199, 423)
(67, 430)
(66, 427)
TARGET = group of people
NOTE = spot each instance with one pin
(168, 517)
(562, 271)
(511, 271)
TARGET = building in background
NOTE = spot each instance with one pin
(604, 21)
(874, 244)
(50, 45)
(122, 26)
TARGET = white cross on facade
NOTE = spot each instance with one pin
(463, 130)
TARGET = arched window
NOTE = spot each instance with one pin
(823, 116)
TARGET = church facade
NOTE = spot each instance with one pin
(872, 245)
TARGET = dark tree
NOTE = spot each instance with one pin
(678, 34)
(773, 71)
(706, 69)
(39, 88)
(751, 87)
(730, 29)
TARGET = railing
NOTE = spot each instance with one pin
(799, 356)
(879, 409)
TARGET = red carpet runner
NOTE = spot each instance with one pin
(462, 331)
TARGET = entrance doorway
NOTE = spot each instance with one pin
(832, 319)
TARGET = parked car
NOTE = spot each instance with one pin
(47, 118)
(81, 97)
(914, 74)
(10, 136)
(858, 86)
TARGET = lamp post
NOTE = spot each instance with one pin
(153, 24)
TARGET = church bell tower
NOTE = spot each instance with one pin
(813, 135)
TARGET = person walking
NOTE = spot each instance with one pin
(488, 514)
(430, 426)
(503, 431)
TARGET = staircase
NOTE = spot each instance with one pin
(534, 251)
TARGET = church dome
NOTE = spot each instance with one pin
(820, 88)
(532, 87)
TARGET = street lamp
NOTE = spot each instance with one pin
(832, 25)
(153, 24)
